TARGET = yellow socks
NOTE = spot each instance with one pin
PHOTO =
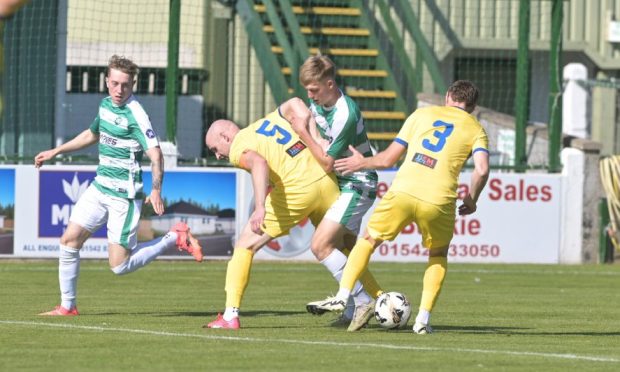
(238, 276)
(433, 279)
(370, 284)
(356, 264)
(368, 280)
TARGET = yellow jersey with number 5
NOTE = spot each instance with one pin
(291, 164)
(439, 140)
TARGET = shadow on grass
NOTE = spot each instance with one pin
(480, 329)
(195, 313)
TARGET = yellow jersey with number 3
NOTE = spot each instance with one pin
(439, 140)
(291, 164)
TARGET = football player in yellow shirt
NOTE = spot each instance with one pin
(437, 142)
(299, 187)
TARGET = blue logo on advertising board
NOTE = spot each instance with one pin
(58, 193)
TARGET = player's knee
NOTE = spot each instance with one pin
(69, 241)
(374, 242)
(438, 252)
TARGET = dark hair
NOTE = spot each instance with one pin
(317, 68)
(122, 64)
(464, 91)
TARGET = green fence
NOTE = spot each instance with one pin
(241, 58)
(57, 50)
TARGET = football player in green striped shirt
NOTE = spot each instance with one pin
(124, 133)
(337, 124)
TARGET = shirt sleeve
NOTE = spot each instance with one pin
(406, 131)
(142, 130)
(94, 126)
(481, 143)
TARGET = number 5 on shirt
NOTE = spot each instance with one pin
(276, 129)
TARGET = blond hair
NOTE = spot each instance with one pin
(122, 64)
(317, 68)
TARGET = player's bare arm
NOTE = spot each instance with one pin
(479, 178)
(384, 159)
(259, 169)
(295, 112)
(157, 178)
(84, 139)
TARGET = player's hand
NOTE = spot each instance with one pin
(156, 201)
(468, 206)
(42, 157)
(256, 220)
(351, 164)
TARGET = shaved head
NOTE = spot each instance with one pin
(219, 137)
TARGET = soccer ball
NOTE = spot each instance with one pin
(392, 310)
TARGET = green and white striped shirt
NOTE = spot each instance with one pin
(125, 132)
(342, 125)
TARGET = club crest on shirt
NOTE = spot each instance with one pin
(295, 149)
(425, 160)
(120, 121)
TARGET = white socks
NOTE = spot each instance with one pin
(68, 273)
(335, 264)
(69, 265)
(144, 253)
(230, 313)
(424, 317)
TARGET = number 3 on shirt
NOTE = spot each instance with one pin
(286, 136)
(441, 135)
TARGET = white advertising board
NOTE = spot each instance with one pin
(205, 199)
(517, 221)
(518, 217)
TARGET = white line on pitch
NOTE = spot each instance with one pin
(305, 342)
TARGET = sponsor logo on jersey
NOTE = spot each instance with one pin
(107, 140)
(150, 133)
(295, 149)
(425, 160)
(58, 193)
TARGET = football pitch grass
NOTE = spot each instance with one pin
(489, 317)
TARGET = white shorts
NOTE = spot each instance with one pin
(351, 206)
(94, 208)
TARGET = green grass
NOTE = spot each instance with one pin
(489, 317)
